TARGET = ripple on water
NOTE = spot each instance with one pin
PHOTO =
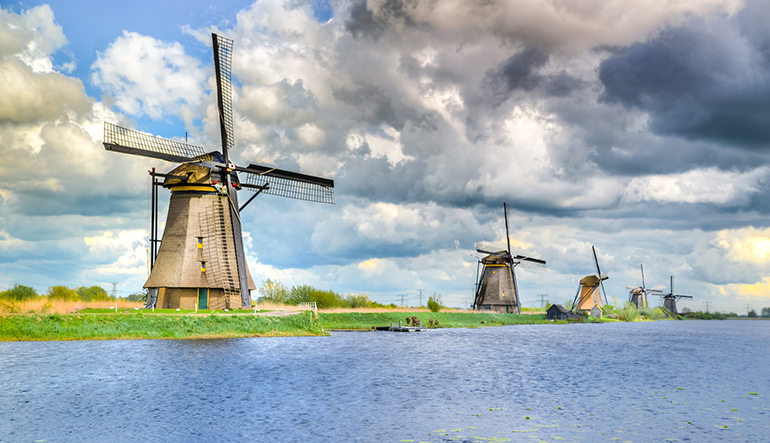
(587, 382)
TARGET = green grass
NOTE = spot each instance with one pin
(139, 325)
(168, 311)
(364, 321)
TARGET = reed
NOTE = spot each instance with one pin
(46, 305)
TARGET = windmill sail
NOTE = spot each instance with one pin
(128, 141)
(223, 52)
(287, 184)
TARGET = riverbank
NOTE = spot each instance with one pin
(166, 325)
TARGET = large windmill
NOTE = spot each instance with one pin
(201, 261)
(496, 286)
(670, 299)
(588, 294)
(638, 294)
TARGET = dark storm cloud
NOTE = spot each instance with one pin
(701, 81)
(376, 106)
(362, 23)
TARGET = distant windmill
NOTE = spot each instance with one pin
(496, 286)
(670, 299)
(638, 294)
(201, 261)
(588, 294)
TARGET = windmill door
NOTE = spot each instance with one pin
(203, 298)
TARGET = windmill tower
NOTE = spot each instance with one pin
(588, 294)
(201, 261)
(638, 294)
(496, 286)
(670, 299)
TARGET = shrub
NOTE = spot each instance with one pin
(752, 314)
(766, 312)
(628, 313)
(93, 293)
(273, 291)
(433, 304)
(62, 293)
(19, 293)
(359, 301)
(652, 313)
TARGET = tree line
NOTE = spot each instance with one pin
(81, 293)
(273, 291)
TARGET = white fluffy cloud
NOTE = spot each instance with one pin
(148, 76)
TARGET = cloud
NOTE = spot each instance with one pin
(698, 186)
(704, 80)
(32, 37)
(550, 23)
(148, 76)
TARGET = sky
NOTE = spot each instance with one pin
(639, 127)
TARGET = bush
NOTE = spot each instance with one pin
(273, 291)
(62, 293)
(19, 293)
(434, 303)
(652, 313)
(359, 301)
(766, 312)
(628, 313)
(752, 314)
(93, 293)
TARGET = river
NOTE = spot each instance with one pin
(696, 381)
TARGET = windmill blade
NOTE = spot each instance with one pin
(530, 262)
(643, 285)
(682, 296)
(128, 141)
(507, 235)
(223, 52)
(287, 184)
(599, 275)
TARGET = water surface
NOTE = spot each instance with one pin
(652, 381)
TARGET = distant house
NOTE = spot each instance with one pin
(556, 312)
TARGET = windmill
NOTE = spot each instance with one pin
(588, 294)
(638, 294)
(670, 299)
(201, 262)
(496, 286)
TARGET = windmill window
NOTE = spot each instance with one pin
(200, 242)
(203, 266)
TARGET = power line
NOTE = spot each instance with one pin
(114, 289)
(708, 305)
(542, 299)
(419, 292)
(749, 308)
(402, 298)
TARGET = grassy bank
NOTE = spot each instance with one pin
(140, 325)
(102, 324)
(365, 320)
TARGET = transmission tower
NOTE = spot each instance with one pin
(114, 289)
(542, 299)
(419, 294)
(402, 298)
(708, 305)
